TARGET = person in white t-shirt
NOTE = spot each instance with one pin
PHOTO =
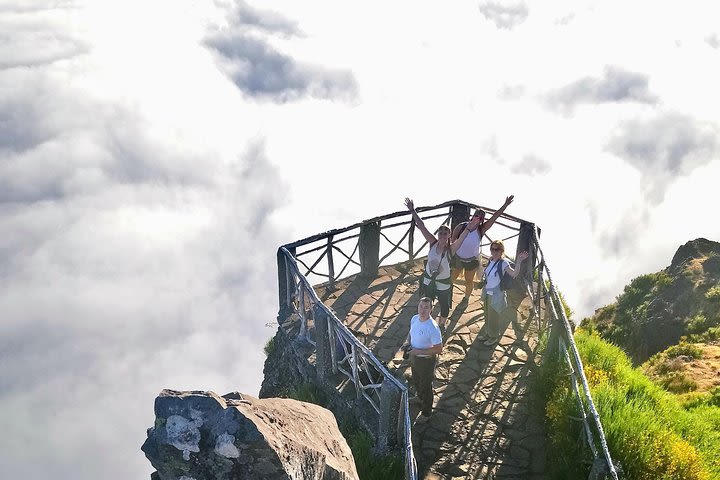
(435, 282)
(495, 300)
(467, 256)
(425, 346)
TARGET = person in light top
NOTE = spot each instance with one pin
(467, 256)
(425, 345)
(495, 299)
(435, 282)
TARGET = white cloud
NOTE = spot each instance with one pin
(146, 181)
(504, 15)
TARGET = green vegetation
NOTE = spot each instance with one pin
(269, 346)
(710, 335)
(713, 294)
(310, 393)
(369, 465)
(623, 323)
(684, 349)
(651, 432)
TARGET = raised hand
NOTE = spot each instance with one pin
(522, 256)
(409, 204)
(509, 199)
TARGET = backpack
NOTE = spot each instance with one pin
(507, 282)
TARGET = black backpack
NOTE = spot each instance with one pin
(507, 282)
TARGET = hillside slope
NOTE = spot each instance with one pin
(656, 310)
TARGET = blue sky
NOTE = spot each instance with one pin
(154, 155)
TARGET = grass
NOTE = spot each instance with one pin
(651, 432)
(369, 465)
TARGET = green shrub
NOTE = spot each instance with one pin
(269, 346)
(713, 294)
(310, 393)
(684, 349)
(678, 382)
(371, 466)
(708, 336)
(648, 430)
(698, 324)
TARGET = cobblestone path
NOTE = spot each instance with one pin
(485, 422)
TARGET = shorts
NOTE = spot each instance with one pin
(464, 264)
(444, 297)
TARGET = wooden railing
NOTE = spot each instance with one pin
(387, 240)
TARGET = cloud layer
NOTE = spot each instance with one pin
(614, 86)
(246, 55)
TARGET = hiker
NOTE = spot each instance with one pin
(425, 343)
(467, 258)
(495, 298)
(435, 282)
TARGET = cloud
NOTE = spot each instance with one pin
(267, 20)
(261, 71)
(713, 40)
(664, 148)
(531, 165)
(29, 43)
(134, 257)
(504, 15)
(111, 296)
(511, 92)
(615, 85)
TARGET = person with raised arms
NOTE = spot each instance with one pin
(435, 282)
(467, 257)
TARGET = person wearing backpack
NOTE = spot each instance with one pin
(495, 298)
(467, 257)
(435, 282)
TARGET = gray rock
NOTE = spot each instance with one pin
(202, 436)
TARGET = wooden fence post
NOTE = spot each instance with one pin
(390, 396)
(369, 241)
(458, 213)
(525, 243)
(331, 263)
(323, 358)
(286, 288)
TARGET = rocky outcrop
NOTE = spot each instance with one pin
(203, 436)
(656, 310)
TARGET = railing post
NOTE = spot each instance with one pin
(526, 244)
(458, 213)
(286, 288)
(323, 359)
(356, 371)
(331, 264)
(369, 241)
(302, 312)
(411, 241)
(390, 396)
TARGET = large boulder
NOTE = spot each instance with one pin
(203, 436)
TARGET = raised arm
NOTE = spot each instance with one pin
(457, 231)
(514, 272)
(419, 222)
(469, 227)
(489, 223)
